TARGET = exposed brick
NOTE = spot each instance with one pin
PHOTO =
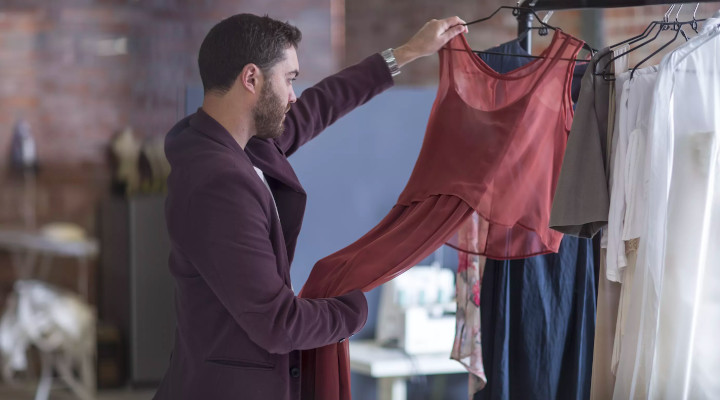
(75, 98)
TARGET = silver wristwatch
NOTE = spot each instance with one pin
(390, 61)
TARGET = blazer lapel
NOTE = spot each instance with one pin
(209, 127)
(290, 198)
(267, 156)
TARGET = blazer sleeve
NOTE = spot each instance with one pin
(321, 105)
(233, 253)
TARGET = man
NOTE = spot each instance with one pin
(235, 207)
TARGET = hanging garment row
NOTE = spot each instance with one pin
(480, 185)
(538, 313)
(651, 167)
(490, 181)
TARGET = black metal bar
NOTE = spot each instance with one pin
(524, 24)
(479, 52)
(545, 5)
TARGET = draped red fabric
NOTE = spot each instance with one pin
(406, 236)
(493, 146)
(497, 141)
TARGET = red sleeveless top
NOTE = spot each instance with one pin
(493, 146)
(497, 142)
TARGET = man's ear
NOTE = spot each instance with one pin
(250, 78)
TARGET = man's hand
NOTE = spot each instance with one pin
(429, 39)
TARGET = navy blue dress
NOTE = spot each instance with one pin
(538, 314)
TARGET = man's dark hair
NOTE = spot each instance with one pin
(238, 41)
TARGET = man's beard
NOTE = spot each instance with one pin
(269, 114)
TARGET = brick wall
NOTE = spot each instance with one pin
(621, 24)
(79, 71)
(374, 25)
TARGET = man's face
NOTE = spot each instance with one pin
(275, 97)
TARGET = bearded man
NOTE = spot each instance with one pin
(235, 207)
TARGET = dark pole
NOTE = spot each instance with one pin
(592, 28)
(524, 24)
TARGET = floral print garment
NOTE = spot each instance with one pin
(467, 348)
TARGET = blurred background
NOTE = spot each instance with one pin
(88, 88)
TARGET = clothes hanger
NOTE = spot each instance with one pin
(542, 31)
(663, 25)
(694, 24)
(678, 31)
(605, 73)
(543, 28)
(649, 29)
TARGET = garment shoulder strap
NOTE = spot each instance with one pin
(452, 55)
(568, 55)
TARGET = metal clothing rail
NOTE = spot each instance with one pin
(547, 5)
(525, 19)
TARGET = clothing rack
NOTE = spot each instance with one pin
(525, 19)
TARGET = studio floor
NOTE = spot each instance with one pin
(26, 391)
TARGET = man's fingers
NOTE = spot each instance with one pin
(452, 26)
(452, 21)
(460, 29)
(433, 35)
(454, 31)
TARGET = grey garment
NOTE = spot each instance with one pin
(581, 203)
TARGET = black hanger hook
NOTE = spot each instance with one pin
(694, 23)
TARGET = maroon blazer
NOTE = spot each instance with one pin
(239, 324)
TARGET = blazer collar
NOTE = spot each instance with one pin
(266, 155)
(208, 126)
(261, 153)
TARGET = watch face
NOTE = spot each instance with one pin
(389, 58)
